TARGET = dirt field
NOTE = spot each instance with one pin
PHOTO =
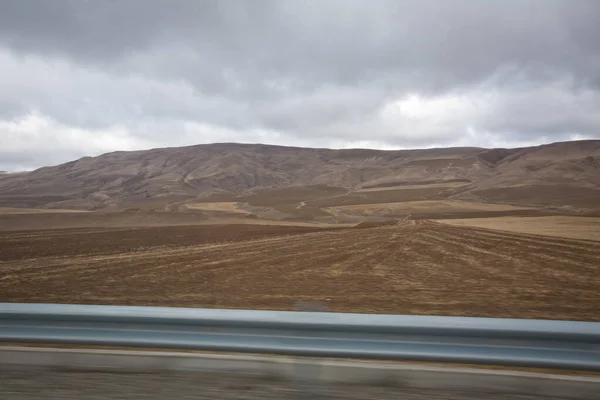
(426, 206)
(228, 207)
(381, 196)
(379, 188)
(560, 226)
(418, 267)
(12, 211)
(320, 203)
(543, 195)
(127, 220)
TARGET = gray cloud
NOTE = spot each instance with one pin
(343, 73)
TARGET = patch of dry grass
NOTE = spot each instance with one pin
(226, 206)
(587, 228)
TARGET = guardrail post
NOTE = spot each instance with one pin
(308, 369)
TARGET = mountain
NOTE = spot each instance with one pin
(565, 174)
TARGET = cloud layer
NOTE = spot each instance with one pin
(85, 77)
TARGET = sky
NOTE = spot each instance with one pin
(83, 78)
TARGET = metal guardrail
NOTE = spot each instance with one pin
(508, 342)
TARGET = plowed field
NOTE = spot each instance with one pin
(416, 267)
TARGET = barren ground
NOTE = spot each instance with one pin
(410, 208)
(416, 267)
(586, 228)
(20, 211)
(228, 207)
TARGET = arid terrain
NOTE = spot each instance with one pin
(414, 267)
(586, 228)
(291, 183)
(498, 233)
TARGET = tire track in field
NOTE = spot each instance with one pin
(510, 269)
(538, 248)
(567, 244)
(507, 256)
(137, 263)
(60, 265)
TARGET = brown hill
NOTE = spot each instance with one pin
(554, 175)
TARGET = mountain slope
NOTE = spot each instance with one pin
(224, 171)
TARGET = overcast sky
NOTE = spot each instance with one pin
(87, 77)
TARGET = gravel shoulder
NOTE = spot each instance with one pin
(33, 384)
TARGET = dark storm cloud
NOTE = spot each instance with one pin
(330, 73)
(341, 41)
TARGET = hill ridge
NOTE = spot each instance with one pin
(117, 180)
